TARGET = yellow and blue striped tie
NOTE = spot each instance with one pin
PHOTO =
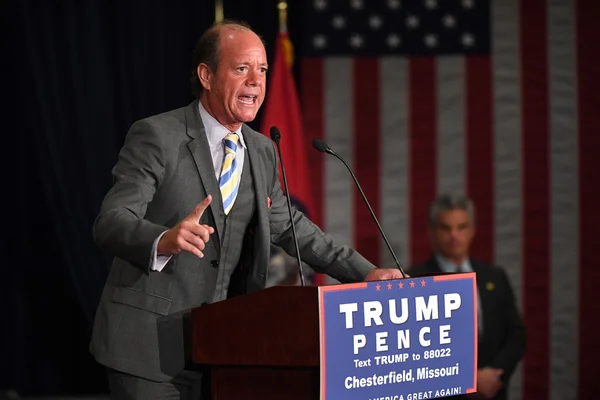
(229, 181)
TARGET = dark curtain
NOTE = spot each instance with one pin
(91, 68)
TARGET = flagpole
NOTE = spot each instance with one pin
(282, 6)
(288, 53)
(218, 10)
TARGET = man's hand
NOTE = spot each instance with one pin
(383, 274)
(187, 235)
(488, 381)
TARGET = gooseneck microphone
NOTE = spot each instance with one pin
(275, 137)
(323, 148)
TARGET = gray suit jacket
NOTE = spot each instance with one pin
(164, 170)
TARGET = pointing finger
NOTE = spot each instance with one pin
(200, 208)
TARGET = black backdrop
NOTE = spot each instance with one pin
(85, 70)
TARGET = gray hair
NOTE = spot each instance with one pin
(448, 202)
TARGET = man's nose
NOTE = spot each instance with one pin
(255, 78)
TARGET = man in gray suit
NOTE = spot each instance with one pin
(195, 204)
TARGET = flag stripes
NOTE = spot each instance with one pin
(518, 132)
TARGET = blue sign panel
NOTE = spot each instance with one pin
(408, 339)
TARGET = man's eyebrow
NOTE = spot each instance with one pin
(249, 62)
(246, 62)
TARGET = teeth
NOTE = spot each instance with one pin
(247, 100)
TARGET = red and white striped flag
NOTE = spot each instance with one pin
(496, 100)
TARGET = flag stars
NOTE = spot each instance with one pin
(356, 41)
(389, 286)
(449, 21)
(401, 285)
(412, 21)
(320, 5)
(378, 287)
(393, 4)
(319, 41)
(393, 40)
(423, 283)
(430, 40)
(338, 22)
(431, 4)
(412, 284)
(375, 22)
(358, 27)
(468, 4)
(357, 4)
(467, 40)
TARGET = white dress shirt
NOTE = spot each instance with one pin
(215, 133)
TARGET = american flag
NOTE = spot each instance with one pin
(497, 100)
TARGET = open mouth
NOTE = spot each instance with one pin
(247, 100)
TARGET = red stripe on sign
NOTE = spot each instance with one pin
(312, 86)
(588, 65)
(423, 151)
(480, 152)
(366, 156)
(536, 195)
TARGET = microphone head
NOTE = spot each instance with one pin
(320, 145)
(275, 134)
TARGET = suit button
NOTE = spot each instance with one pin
(214, 263)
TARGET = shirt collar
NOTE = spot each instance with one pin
(448, 266)
(215, 132)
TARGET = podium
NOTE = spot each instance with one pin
(263, 345)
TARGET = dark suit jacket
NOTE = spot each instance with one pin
(502, 343)
(164, 170)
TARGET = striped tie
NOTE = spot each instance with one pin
(229, 181)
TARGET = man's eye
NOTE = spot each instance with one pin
(241, 69)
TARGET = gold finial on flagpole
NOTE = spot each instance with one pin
(218, 10)
(288, 49)
(282, 6)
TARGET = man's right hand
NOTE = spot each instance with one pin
(187, 235)
(488, 382)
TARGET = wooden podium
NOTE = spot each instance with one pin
(263, 345)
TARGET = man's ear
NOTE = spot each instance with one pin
(205, 75)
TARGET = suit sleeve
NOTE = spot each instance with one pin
(317, 248)
(120, 228)
(514, 347)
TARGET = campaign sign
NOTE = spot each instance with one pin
(407, 339)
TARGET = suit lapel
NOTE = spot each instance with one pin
(199, 148)
(262, 234)
(259, 179)
(482, 281)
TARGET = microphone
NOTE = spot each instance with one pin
(276, 136)
(323, 148)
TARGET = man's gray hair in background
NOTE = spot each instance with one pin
(448, 202)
